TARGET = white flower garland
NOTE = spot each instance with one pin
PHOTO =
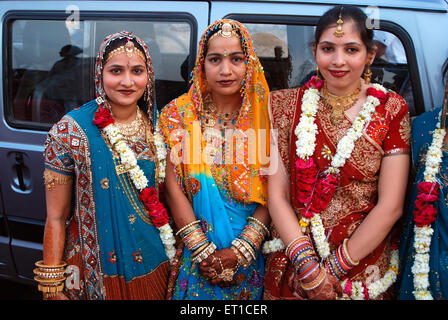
(377, 287)
(273, 245)
(139, 179)
(423, 235)
(306, 132)
(161, 153)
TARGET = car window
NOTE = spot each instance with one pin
(285, 52)
(51, 64)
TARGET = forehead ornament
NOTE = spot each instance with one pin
(339, 32)
(129, 48)
(226, 31)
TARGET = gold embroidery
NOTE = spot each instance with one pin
(283, 104)
(105, 183)
(120, 168)
(405, 129)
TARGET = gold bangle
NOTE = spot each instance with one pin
(41, 264)
(316, 282)
(50, 291)
(347, 255)
(261, 224)
(187, 226)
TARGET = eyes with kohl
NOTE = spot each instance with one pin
(124, 79)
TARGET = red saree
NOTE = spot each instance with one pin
(386, 134)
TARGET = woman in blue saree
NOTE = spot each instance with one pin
(423, 273)
(217, 194)
(105, 239)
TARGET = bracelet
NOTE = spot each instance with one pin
(50, 278)
(241, 261)
(261, 224)
(188, 226)
(205, 253)
(295, 240)
(346, 255)
(50, 180)
(245, 251)
(247, 246)
(316, 282)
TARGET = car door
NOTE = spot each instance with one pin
(48, 60)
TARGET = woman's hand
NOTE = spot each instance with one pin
(328, 289)
(220, 267)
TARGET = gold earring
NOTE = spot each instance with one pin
(317, 73)
(367, 75)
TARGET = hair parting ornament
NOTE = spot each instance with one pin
(339, 32)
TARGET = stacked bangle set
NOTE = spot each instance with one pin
(50, 278)
(339, 262)
(244, 247)
(301, 253)
(196, 241)
(250, 240)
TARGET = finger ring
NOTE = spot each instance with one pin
(227, 275)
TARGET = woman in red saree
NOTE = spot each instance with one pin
(343, 160)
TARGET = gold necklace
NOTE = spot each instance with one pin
(210, 117)
(133, 130)
(339, 104)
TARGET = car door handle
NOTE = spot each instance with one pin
(19, 165)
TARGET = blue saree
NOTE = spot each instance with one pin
(110, 237)
(222, 220)
(422, 127)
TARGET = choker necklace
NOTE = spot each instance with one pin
(131, 131)
(210, 117)
(339, 104)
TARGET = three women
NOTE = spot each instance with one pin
(342, 153)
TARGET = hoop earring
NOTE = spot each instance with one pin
(367, 75)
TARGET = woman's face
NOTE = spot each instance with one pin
(124, 79)
(224, 66)
(341, 60)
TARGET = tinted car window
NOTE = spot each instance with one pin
(285, 52)
(51, 64)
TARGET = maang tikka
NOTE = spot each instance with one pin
(339, 32)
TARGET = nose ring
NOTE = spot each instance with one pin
(132, 83)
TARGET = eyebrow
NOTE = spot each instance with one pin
(345, 44)
(122, 66)
(221, 55)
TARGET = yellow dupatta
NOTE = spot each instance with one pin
(244, 178)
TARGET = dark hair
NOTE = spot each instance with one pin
(116, 43)
(348, 13)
